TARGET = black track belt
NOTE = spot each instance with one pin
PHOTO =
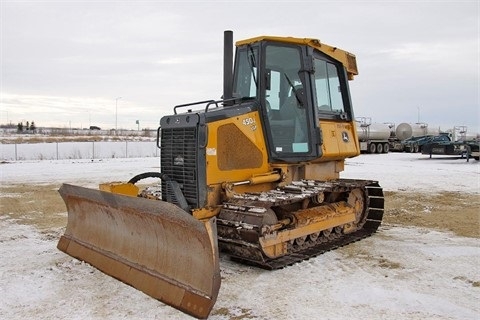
(375, 204)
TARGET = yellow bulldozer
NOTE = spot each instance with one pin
(255, 175)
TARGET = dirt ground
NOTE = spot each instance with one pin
(42, 206)
(451, 211)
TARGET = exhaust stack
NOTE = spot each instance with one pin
(228, 66)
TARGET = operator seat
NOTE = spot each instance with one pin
(291, 106)
(293, 111)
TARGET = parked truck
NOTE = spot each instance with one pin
(409, 136)
(462, 143)
(416, 144)
(373, 137)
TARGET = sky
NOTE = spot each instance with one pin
(111, 63)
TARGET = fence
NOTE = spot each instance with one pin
(78, 150)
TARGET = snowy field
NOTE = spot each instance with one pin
(77, 150)
(399, 273)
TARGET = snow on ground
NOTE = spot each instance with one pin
(394, 171)
(399, 273)
(416, 172)
(83, 172)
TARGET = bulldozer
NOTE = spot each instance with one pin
(254, 175)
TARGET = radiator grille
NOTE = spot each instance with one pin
(179, 161)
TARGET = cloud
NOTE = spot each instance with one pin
(75, 112)
(160, 54)
(438, 54)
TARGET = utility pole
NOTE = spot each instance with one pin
(116, 113)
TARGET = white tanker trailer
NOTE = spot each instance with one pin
(408, 130)
(408, 136)
(373, 137)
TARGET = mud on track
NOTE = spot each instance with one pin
(42, 207)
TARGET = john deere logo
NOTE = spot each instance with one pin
(345, 136)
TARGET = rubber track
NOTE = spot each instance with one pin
(375, 202)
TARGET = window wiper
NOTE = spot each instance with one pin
(295, 92)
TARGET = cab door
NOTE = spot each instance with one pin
(290, 124)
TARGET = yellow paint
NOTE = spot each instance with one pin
(348, 59)
(128, 189)
(206, 213)
(250, 126)
(273, 244)
(334, 146)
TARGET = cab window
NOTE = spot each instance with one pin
(285, 101)
(328, 89)
(246, 81)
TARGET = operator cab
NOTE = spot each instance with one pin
(296, 87)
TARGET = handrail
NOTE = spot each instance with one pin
(208, 102)
(191, 104)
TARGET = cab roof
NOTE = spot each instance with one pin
(348, 59)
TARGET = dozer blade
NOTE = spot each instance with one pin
(151, 245)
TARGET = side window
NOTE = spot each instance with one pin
(245, 83)
(329, 93)
(321, 83)
(335, 89)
